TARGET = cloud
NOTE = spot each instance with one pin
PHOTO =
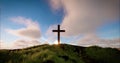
(4, 45)
(85, 16)
(90, 40)
(18, 44)
(51, 36)
(56, 4)
(1, 44)
(24, 43)
(28, 35)
(31, 30)
(49, 31)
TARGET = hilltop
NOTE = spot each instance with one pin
(63, 53)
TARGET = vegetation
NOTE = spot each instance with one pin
(63, 53)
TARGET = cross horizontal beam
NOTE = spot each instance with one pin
(58, 30)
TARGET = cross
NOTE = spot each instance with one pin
(58, 30)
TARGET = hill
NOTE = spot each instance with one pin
(60, 54)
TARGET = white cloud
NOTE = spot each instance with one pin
(90, 40)
(51, 36)
(31, 30)
(85, 16)
(56, 4)
(24, 43)
(4, 45)
(49, 31)
(29, 34)
(1, 44)
(18, 44)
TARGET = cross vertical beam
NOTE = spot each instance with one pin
(58, 34)
(58, 30)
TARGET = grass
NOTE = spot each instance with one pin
(60, 54)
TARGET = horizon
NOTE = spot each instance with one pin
(86, 23)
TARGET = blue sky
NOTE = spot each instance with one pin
(35, 9)
(41, 11)
(110, 31)
(38, 10)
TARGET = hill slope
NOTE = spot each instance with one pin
(60, 54)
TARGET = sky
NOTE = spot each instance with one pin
(25, 23)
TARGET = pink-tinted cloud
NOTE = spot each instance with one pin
(51, 36)
(4, 45)
(24, 43)
(90, 40)
(56, 4)
(18, 44)
(31, 30)
(85, 16)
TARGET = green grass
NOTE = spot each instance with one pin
(60, 54)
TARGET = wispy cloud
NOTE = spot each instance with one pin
(31, 30)
(85, 16)
(18, 44)
(24, 43)
(51, 36)
(28, 35)
(90, 40)
(4, 45)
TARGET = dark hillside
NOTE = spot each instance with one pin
(60, 54)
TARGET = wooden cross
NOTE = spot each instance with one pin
(58, 30)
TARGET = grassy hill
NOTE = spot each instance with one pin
(60, 54)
